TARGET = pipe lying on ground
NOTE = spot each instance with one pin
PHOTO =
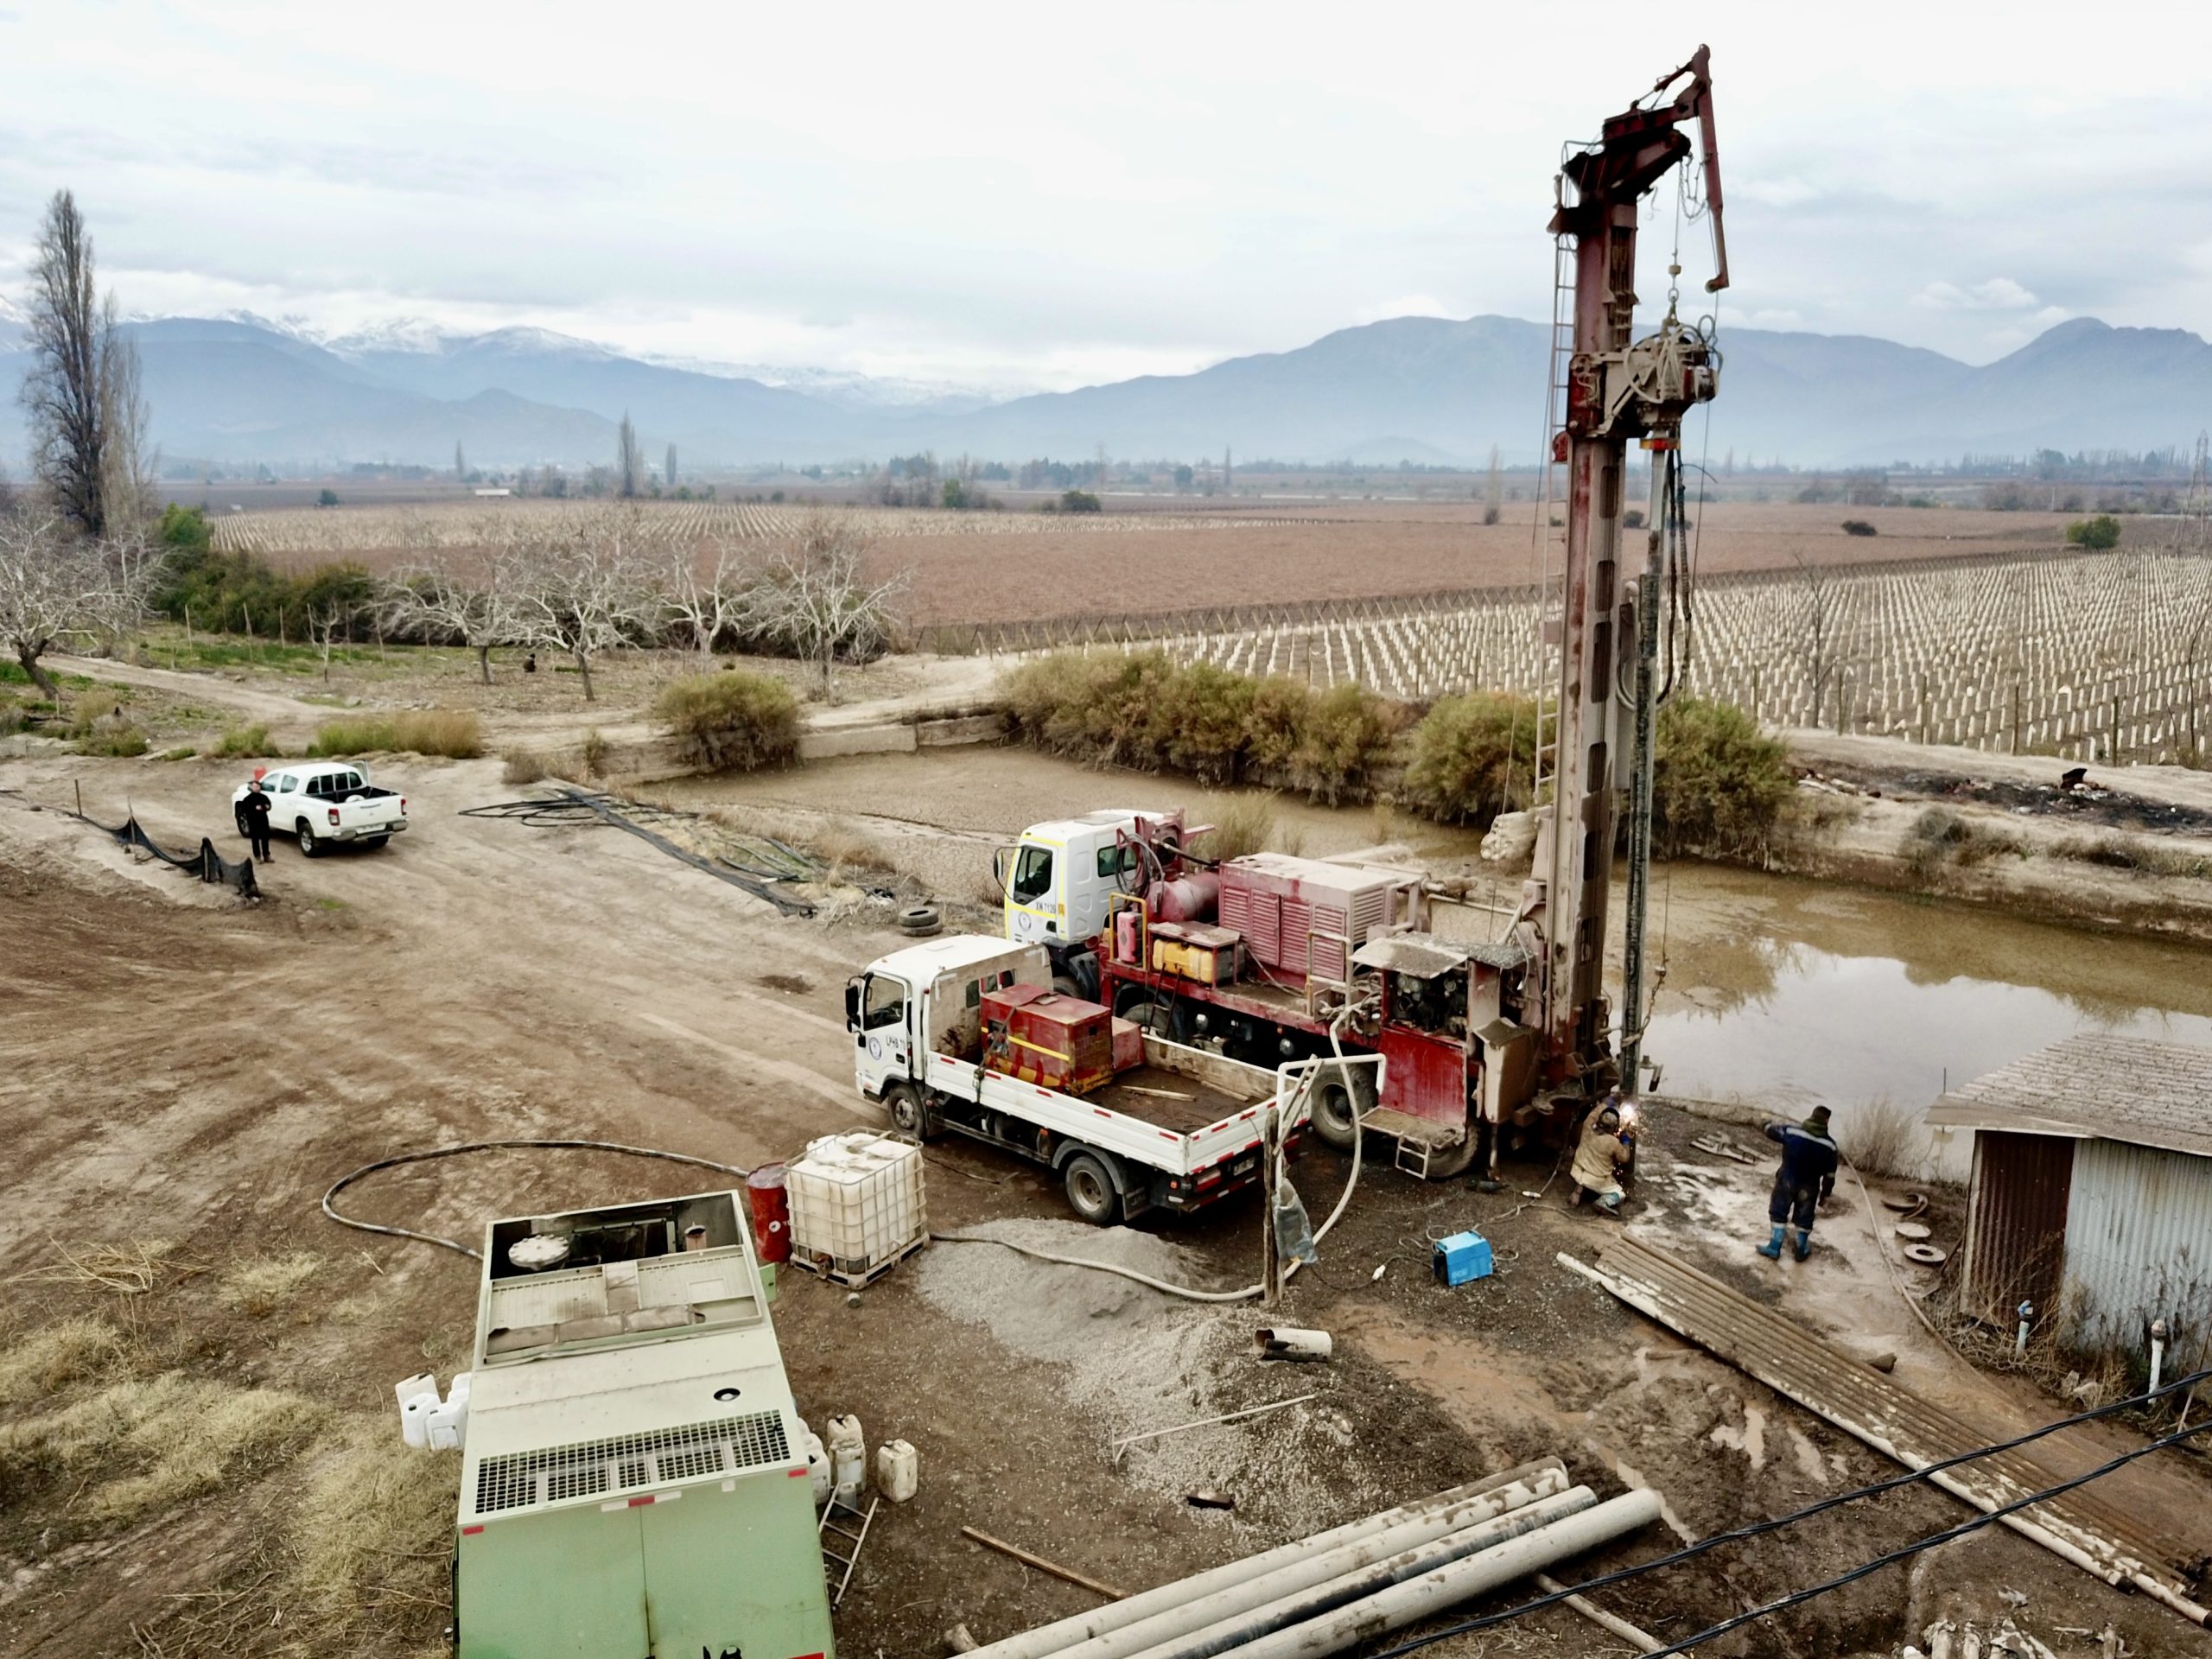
(1237, 1629)
(1463, 1518)
(1051, 1639)
(1642, 1641)
(1292, 1342)
(1417, 1598)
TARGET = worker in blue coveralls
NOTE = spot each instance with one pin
(1805, 1180)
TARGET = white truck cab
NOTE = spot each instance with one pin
(1060, 878)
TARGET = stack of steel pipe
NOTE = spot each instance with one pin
(1320, 1594)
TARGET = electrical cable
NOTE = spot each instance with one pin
(1760, 1528)
(338, 1185)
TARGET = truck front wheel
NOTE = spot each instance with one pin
(910, 1113)
(1091, 1192)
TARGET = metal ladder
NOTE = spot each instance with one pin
(825, 1526)
(1550, 559)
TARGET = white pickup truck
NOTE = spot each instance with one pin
(1178, 1130)
(325, 801)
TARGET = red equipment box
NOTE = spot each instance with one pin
(1035, 1034)
(1300, 916)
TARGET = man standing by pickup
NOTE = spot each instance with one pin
(1803, 1182)
(256, 809)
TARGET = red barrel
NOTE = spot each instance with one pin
(772, 1212)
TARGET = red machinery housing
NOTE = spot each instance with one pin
(1047, 1038)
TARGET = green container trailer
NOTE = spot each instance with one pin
(634, 1478)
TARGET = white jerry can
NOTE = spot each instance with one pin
(898, 1471)
(848, 1456)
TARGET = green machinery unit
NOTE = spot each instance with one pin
(634, 1475)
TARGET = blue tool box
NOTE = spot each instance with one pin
(1461, 1257)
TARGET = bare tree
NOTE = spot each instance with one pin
(629, 461)
(459, 464)
(1494, 487)
(671, 469)
(126, 472)
(57, 588)
(481, 610)
(816, 594)
(709, 599)
(1814, 626)
(62, 390)
(585, 592)
(325, 624)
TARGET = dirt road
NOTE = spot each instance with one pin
(176, 1067)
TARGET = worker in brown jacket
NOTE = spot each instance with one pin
(1601, 1157)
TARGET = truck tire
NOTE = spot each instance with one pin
(310, 847)
(1332, 1114)
(1091, 1192)
(245, 828)
(1450, 1166)
(1066, 986)
(910, 1112)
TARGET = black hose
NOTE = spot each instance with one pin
(398, 1158)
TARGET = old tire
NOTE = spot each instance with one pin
(310, 847)
(910, 1113)
(1066, 986)
(1091, 1190)
(918, 921)
(1332, 1115)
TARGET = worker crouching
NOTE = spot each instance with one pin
(1602, 1158)
(1805, 1180)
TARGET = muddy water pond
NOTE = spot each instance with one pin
(1778, 991)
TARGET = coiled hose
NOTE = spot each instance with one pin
(344, 1181)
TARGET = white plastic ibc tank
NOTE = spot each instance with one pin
(848, 1456)
(898, 1471)
(857, 1200)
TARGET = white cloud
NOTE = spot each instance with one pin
(1406, 305)
(1998, 294)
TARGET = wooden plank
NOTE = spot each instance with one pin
(2077, 1526)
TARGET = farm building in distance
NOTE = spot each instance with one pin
(2091, 1195)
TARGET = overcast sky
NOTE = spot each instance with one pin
(1053, 194)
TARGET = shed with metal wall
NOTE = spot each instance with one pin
(2091, 1191)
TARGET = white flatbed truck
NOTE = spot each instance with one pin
(1177, 1131)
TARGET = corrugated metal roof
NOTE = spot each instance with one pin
(2139, 1248)
(2118, 1088)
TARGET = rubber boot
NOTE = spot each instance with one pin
(1804, 1242)
(1772, 1248)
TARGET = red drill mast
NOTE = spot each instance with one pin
(1614, 390)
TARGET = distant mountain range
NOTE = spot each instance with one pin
(241, 388)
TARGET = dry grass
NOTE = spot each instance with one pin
(593, 752)
(243, 741)
(260, 1285)
(1884, 1138)
(178, 1436)
(1242, 824)
(46, 1360)
(2113, 851)
(454, 731)
(370, 1538)
(1940, 836)
(130, 1267)
(524, 767)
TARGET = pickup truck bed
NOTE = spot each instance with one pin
(1169, 1099)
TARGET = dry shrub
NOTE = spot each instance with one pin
(1940, 835)
(1884, 1138)
(128, 1268)
(371, 1537)
(259, 1285)
(46, 1360)
(176, 1436)
(453, 732)
(592, 753)
(731, 722)
(1245, 824)
(111, 737)
(524, 767)
(1140, 710)
(243, 741)
(2117, 852)
(1474, 757)
(1719, 784)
